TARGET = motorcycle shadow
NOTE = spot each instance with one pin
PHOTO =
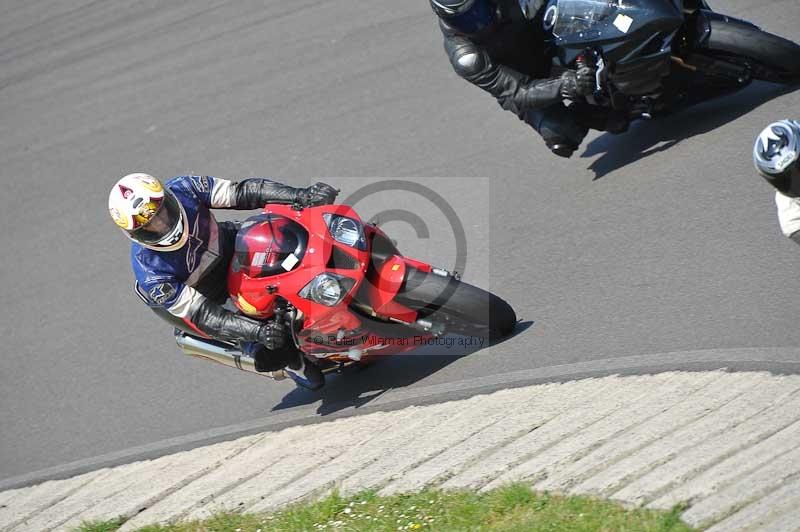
(645, 138)
(357, 386)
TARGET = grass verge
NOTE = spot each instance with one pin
(511, 508)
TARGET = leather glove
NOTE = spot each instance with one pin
(273, 335)
(578, 83)
(317, 194)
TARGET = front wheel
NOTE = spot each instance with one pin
(459, 306)
(769, 57)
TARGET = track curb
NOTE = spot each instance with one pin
(724, 444)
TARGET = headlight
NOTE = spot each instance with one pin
(327, 289)
(346, 231)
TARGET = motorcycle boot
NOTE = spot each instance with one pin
(559, 129)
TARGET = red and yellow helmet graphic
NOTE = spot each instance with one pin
(136, 200)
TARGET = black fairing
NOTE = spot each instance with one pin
(638, 29)
(705, 22)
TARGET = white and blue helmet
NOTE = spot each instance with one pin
(776, 155)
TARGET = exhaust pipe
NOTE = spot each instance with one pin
(224, 354)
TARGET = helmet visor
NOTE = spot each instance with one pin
(164, 227)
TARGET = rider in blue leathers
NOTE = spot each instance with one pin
(180, 257)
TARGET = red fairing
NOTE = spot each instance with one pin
(387, 282)
(280, 252)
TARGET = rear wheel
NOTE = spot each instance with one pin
(769, 57)
(460, 307)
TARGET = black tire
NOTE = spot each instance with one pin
(770, 57)
(460, 307)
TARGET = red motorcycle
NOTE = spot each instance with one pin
(345, 290)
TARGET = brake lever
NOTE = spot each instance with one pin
(599, 68)
(292, 314)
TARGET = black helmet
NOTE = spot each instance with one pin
(777, 155)
(467, 16)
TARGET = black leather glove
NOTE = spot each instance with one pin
(273, 335)
(317, 194)
(254, 193)
(222, 324)
(578, 83)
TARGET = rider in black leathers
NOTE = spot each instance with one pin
(493, 45)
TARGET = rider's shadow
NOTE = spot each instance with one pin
(644, 138)
(356, 387)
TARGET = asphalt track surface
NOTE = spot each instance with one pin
(657, 249)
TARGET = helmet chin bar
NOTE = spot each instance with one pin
(181, 239)
(184, 237)
(172, 237)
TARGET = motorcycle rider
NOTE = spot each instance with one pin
(493, 45)
(180, 256)
(777, 158)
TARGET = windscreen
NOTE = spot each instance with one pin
(583, 21)
(576, 17)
